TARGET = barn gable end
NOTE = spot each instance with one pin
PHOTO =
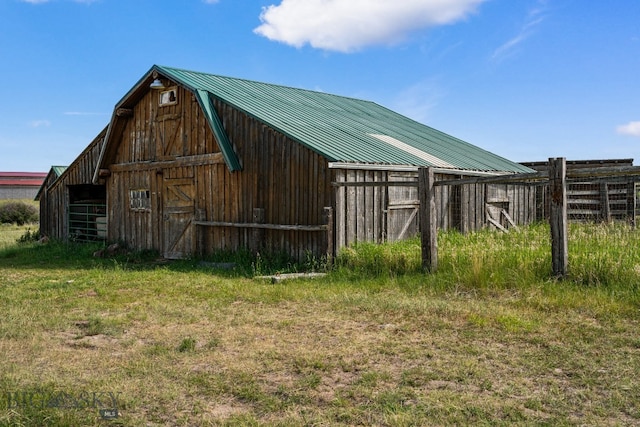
(165, 171)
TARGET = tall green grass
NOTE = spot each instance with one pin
(599, 255)
(10, 233)
(604, 255)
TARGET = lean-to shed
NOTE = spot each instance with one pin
(195, 162)
(71, 206)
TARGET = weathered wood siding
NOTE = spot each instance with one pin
(171, 152)
(48, 206)
(589, 200)
(55, 196)
(379, 213)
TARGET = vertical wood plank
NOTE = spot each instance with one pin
(558, 219)
(258, 233)
(604, 201)
(464, 208)
(631, 203)
(360, 208)
(328, 220)
(377, 210)
(351, 209)
(368, 208)
(428, 220)
(341, 206)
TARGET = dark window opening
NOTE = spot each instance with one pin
(87, 215)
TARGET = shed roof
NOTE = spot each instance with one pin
(58, 170)
(341, 129)
(51, 177)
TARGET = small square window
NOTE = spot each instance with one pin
(169, 97)
(139, 200)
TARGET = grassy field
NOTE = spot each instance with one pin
(490, 339)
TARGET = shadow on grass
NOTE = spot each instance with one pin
(83, 256)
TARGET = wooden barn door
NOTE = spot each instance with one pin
(170, 136)
(178, 208)
(402, 210)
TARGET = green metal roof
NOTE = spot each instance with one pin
(342, 129)
(58, 170)
(54, 173)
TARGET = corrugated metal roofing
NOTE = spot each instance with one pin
(54, 173)
(23, 175)
(342, 129)
(58, 170)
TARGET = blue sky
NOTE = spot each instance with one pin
(525, 79)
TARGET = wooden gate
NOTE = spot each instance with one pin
(178, 208)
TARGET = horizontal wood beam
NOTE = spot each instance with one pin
(264, 226)
(124, 112)
(169, 116)
(603, 172)
(375, 183)
(496, 179)
(197, 160)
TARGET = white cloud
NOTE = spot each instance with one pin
(39, 123)
(534, 18)
(348, 25)
(418, 100)
(631, 128)
(35, 1)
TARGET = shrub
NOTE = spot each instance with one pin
(19, 213)
(29, 236)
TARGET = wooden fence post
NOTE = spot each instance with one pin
(605, 202)
(428, 220)
(328, 220)
(558, 217)
(258, 233)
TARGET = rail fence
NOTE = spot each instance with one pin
(87, 221)
(557, 195)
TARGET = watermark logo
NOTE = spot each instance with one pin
(105, 402)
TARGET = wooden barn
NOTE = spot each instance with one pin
(71, 206)
(193, 163)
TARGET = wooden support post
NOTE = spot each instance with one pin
(428, 220)
(558, 218)
(604, 201)
(258, 233)
(328, 220)
(631, 203)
